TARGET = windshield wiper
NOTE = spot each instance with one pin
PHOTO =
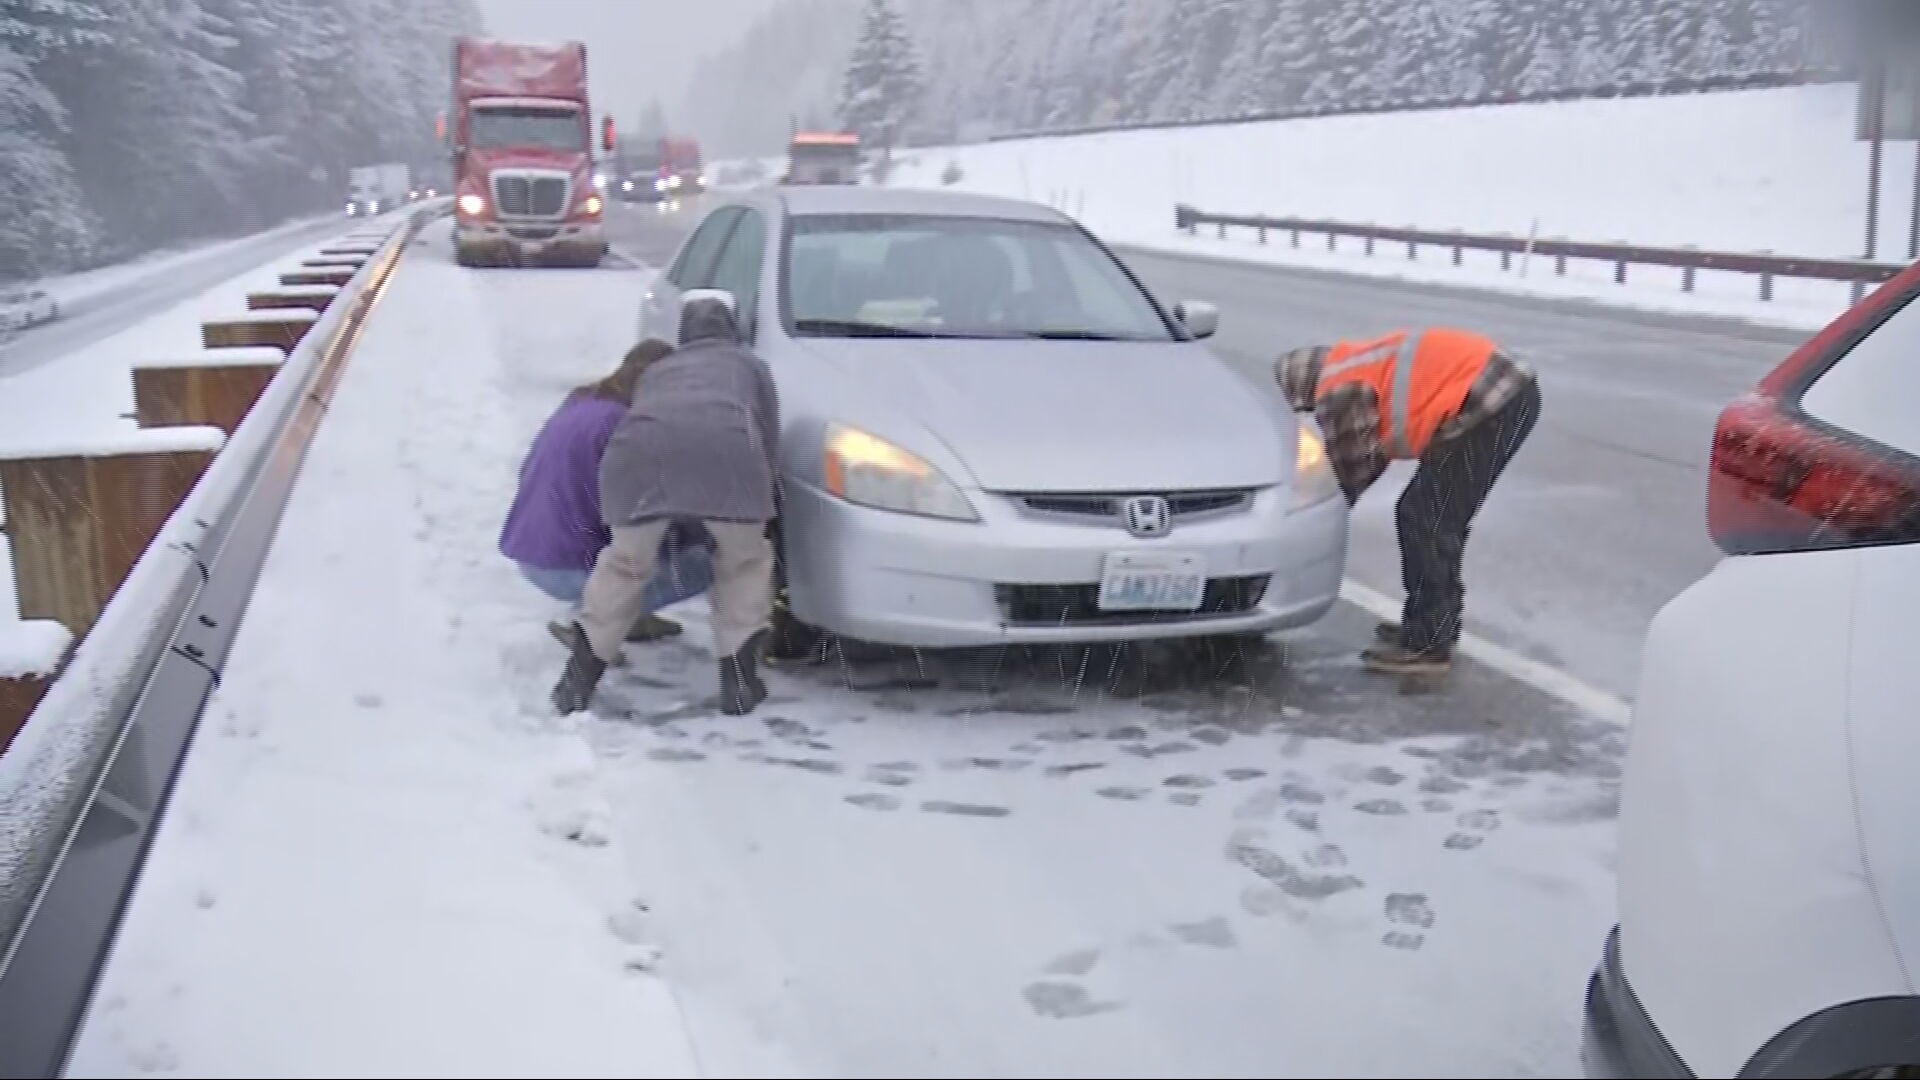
(856, 328)
(1078, 335)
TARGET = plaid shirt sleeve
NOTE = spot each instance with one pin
(1349, 416)
(1502, 378)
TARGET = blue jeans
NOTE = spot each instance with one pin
(683, 572)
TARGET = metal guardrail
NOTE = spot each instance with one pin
(1766, 265)
(132, 696)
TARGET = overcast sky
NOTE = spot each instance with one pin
(636, 49)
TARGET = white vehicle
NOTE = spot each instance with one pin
(21, 308)
(1769, 860)
(377, 189)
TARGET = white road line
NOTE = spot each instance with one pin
(1542, 677)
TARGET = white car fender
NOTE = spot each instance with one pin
(1744, 905)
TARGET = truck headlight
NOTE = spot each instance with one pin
(590, 205)
(472, 205)
(867, 470)
(1313, 478)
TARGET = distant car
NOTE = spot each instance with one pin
(1769, 842)
(993, 434)
(642, 187)
(22, 307)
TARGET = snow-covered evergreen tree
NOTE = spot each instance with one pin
(881, 87)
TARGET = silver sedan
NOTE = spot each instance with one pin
(992, 433)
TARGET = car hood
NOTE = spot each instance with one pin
(1078, 415)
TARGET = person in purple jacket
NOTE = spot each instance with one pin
(555, 530)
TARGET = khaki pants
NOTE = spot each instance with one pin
(741, 597)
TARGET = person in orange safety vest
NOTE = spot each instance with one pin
(1451, 400)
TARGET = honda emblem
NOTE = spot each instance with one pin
(1146, 515)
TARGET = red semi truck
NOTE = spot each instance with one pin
(523, 148)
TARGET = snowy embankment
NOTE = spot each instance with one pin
(1762, 170)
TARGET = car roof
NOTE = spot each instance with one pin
(802, 199)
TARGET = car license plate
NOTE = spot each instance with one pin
(1153, 581)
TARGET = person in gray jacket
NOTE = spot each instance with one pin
(698, 444)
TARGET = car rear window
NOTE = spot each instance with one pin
(1873, 391)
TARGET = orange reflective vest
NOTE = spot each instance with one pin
(1421, 376)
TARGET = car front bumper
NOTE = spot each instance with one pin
(1014, 577)
(1619, 1040)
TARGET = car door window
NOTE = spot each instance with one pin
(694, 268)
(1871, 391)
(738, 268)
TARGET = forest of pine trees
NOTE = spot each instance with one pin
(131, 124)
(1021, 65)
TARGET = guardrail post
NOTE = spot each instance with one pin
(1413, 250)
(315, 298)
(1688, 274)
(1766, 283)
(1459, 252)
(31, 656)
(217, 388)
(1331, 238)
(1560, 262)
(1220, 231)
(1262, 229)
(337, 276)
(281, 329)
(1620, 267)
(1366, 246)
(1294, 238)
(79, 517)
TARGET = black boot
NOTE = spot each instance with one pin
(582, 676)
(741, 690)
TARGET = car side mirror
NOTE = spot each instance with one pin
(1199, 317)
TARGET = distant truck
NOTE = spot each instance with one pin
(377, 189)
(522, 154)
(823, 157)
(681, 170)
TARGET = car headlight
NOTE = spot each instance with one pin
(472, 204)
(869, 471)
(1313, 478)
(626, 185)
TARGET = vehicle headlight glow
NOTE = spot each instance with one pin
(660, 184)
(867, 470)
(472, 204)
(1313, 478)
(626, 185)
(591, 204)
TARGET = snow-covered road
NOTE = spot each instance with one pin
(385, 857)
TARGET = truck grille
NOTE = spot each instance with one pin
(530, 196)
(1079, 604)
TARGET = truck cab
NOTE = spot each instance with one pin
(523, 156)
(823, 158)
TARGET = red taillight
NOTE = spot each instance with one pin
(1780, 484)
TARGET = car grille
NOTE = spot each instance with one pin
(529, 196)
(1182, 504)
(532, 232)
(1079, 604)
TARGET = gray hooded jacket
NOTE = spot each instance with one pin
(701, 438)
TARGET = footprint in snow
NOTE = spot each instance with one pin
(874, 800)
(1476, 823)
(1409, 913)
(1214, 933)
(1056, 1000)
(1075, 963)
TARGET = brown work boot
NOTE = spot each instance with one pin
(653, 628)
(1394, 660)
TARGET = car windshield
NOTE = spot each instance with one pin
(872, 275)
(518, 126)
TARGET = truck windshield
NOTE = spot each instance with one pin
(521, 126)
